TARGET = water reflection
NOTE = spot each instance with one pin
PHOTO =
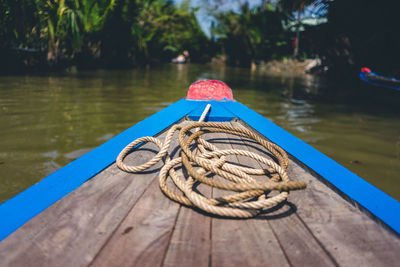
(298, 113)
(47, 121)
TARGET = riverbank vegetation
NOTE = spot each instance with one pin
(92, 33)
(38, 35)
(253, 35)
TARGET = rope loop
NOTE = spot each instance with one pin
(250, 196)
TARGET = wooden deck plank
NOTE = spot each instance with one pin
(143, 237)
(79, 224)
(119, 219)
(345, 233)
(350, 236)
(243, 242)
(298, 243)
(190, 242)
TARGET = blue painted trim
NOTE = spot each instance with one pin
(381, 205)
(366, 79)
(217, 111)
(21, 208)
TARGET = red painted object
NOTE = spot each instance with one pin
(365, 70)
(209, 90)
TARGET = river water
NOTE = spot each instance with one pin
(48, 121)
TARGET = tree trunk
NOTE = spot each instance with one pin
(296, 48)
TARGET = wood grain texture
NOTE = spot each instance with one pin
(298, 243)
(143, 236)
(243, 242)
(349, 236)
(77, 226)
(190, 241)
(120, 219)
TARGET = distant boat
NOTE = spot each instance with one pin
(179, 59)
(378, 80)
(182, 58)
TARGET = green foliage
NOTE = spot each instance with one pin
(252, 35)
(115, 32)
(161, 30)
(68, 25)
(18, 23)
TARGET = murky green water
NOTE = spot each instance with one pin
(48, 121)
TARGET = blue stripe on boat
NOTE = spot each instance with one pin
(217, 112)
(366, 79)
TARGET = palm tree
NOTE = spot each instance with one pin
(297, 7)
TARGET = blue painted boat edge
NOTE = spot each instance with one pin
(18, 210)
(217, 111)
(378, 203)
(365, 79)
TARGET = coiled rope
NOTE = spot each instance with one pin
(250, 197)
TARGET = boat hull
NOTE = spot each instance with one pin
(40, 196)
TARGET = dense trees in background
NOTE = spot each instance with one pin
(87, 33)
(372, 31)
(253, 35)
(359, 33)
(52, 34)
